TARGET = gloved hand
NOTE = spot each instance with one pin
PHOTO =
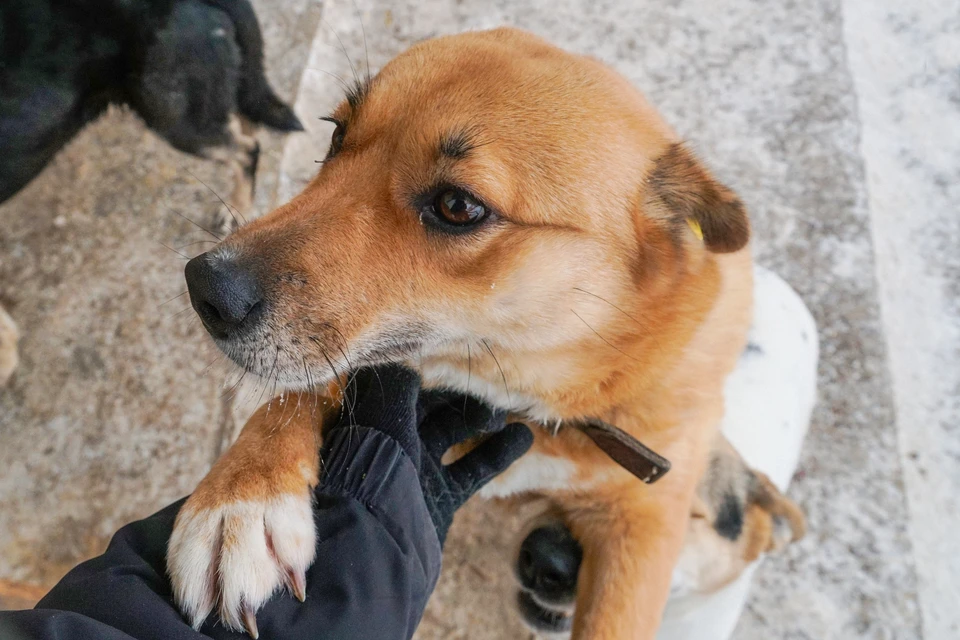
(447, 419)
(385, 399)
(388, 399)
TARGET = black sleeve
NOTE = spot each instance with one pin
(378, 560)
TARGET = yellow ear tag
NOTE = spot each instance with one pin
(695, 227)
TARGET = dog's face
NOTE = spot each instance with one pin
(486, 198)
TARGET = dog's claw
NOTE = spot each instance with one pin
(272, 545)
(250, 621)
(297, 582)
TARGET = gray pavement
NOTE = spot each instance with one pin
(838, 121)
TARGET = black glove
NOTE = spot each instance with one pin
(384, 398)
(447, 419)
(388, 399)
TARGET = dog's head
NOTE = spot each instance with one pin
(488, 201)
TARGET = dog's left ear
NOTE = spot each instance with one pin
(690, 194)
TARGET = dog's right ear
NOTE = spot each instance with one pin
(692, 196)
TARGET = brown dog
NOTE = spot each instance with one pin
(518, 223)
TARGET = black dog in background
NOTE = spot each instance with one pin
(185, 66)
(188, 67)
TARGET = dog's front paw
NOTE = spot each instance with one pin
(236, 555)
(248, 529)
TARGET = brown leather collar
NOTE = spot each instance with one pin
(625, 450)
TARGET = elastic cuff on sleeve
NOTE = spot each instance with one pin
(362, 463)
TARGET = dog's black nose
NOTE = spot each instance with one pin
(549, 562)
(226, 296)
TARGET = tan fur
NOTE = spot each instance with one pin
(589, 296)
(289, 431)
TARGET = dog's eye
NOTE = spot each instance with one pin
(336, 141)
(456, 207)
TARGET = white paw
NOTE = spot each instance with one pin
(236, 556)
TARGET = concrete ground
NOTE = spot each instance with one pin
(838, 121)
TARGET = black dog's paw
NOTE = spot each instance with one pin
(267, 109)
(547, 567)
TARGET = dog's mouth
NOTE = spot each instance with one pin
(541, 617)
(310, 355)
